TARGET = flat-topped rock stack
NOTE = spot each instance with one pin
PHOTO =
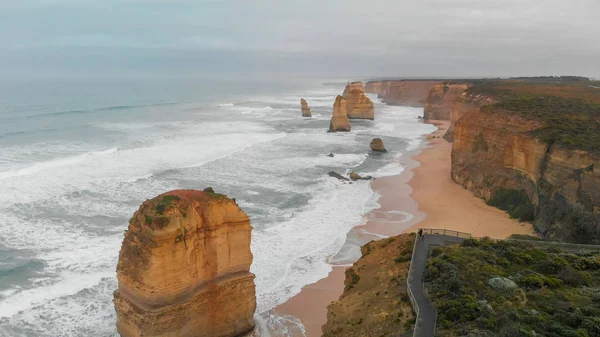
(358, 105)
(184, 268)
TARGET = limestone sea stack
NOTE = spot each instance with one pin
(358, 105)
(305, 109)
(377, 145)
(352, 85)
(339, 120)
(184, 268)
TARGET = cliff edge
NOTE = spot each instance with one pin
(439, 102)
(401, 92)
(532, 149)
(375, 301)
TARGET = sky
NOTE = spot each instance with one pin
(322, 38)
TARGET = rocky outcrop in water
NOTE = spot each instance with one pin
(401, 92)
(377, 145)
(337, 176)
(305, 109)
(358, 105)
(355, 176)
(339, 120)
(183, 268)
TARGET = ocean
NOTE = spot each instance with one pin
(77, 158)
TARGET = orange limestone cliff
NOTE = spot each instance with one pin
(183, 268)
(495, 150)
(358, 105)
(439, 102)
(305, 109)
(339, 120)
(401, 92)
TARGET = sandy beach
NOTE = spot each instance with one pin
(425, 191)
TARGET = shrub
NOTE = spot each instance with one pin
(470, 243)
(403, 258)
(574, 277)
(516, 202)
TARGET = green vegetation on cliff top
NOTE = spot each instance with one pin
(485, 288)
(568, 107)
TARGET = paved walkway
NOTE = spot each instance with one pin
(425, 325)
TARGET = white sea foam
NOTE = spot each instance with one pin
(55, 163)
(71, 207)
(294, 253)
(69, 284)
(391, 169)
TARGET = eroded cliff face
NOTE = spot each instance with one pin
(339, 120)
(305, 109)
(358, 105)
(183, 268)
(462, 105)
(495, 150)
(439, 102)
(401, 92)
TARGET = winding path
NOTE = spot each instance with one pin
(426, 314)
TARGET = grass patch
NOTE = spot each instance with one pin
(164, 203)
(354, 278)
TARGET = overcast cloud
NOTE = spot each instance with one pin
(300, 38)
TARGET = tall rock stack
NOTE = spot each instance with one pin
(305, 109)
(184, 268)
(352, 85)
(339, 120)
(358, 105)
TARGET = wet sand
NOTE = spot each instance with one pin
(426, 191)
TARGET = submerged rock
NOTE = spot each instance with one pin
(377, 145)
(305, 109)
(338, 176)
(339, 120)
(355, 176)
(330, 155)
(184, 268)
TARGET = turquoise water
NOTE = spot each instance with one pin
(77, 158)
